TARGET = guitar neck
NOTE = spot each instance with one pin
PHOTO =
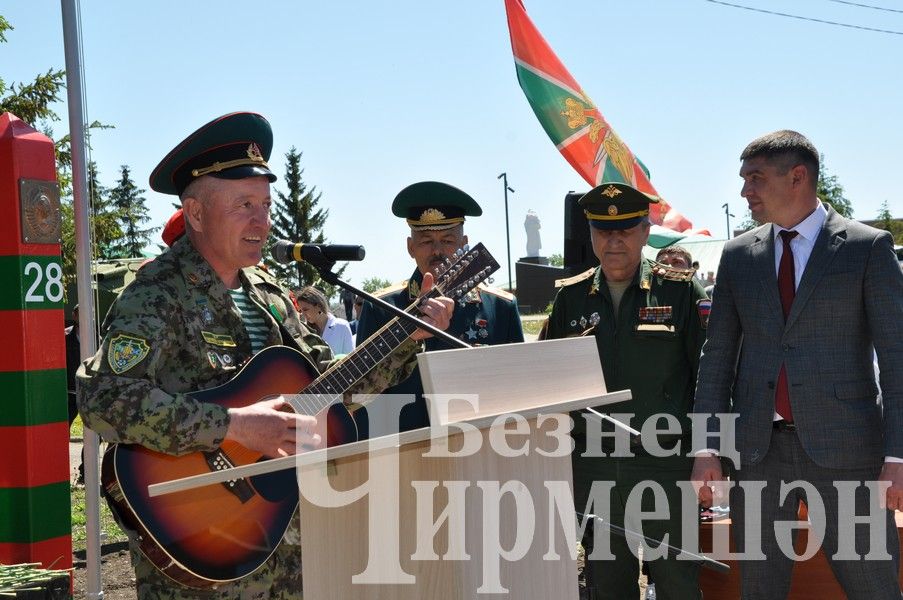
(332, 384)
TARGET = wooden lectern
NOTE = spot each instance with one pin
(385, 545)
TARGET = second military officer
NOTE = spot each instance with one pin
(435, 213)
(648, 321)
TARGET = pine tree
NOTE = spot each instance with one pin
(830, 192)
(887, 222)
(127, 200)
(105, 223)
(297, 217)
(32, 103)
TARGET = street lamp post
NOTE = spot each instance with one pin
(727, 216)
(504, 178)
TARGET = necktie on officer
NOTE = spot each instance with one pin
(787, 290)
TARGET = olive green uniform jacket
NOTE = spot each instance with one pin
(650, 347)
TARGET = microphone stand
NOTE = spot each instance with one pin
(672, 551)
(324, 267)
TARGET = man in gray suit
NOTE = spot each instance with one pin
(798, 306)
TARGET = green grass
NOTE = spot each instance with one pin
(532, 327)
(78, 428)
(109, 530)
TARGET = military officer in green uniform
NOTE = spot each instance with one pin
(190, 319)
(435, 213)
(649, 324)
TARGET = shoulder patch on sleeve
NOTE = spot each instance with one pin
(672, 273)
(575, 279)
(125, 352)
(704, 308)
(497, 292)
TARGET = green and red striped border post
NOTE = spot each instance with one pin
(35, 517)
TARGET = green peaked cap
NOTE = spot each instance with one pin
(616, 205)
(434, 205)
(233, 146)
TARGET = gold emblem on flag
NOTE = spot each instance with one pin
(576, 114)
(611, 191)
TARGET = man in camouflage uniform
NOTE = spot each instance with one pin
(177, 328)
(435, 213)
(648, 321)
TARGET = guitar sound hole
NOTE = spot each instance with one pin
(277, 486)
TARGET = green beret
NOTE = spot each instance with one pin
(616, 206)
(434, 205)
(233, 146)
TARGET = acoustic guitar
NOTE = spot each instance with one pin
(223, 532)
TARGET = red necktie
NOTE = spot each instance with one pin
(787, 289)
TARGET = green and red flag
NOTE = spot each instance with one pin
(574, 123)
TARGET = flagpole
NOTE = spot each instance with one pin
(504, 178)
(86, 321)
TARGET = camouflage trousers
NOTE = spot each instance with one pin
(278, 579)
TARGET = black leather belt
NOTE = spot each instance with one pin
(782, 425)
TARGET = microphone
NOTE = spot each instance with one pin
(285, 251)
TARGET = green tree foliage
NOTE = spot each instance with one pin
(105, 224)
(131, 208)
(887, 222)
(32, 102)
(297, 217)
(374, 284)
(556, 260)
(830, 192)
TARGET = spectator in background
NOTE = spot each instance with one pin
(677, 257)
(347, 298)
(358, 304)
(73, 358)
(315, 308)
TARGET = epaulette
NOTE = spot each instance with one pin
(672, 273)
(260, 273)
(494, 291)
(575, 279)
(392, 288)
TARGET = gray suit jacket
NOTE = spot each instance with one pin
(850, 298)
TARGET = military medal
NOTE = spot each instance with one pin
(656, 314)
(594, 319)
(583, 321)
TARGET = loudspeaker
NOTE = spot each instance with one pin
(578, 249)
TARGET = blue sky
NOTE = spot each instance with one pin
(378, 95)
